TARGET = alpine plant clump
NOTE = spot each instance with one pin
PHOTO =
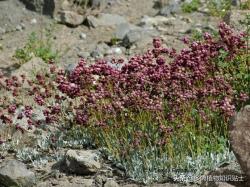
(177, 105)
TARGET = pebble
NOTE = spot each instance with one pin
(19, 28)
(22, 25)
(33, 21)
(83, 36)
(2, 30)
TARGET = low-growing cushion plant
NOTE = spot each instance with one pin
(160, 112)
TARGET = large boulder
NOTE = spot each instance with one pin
(82, 162)
(15, 173)
(239, 135)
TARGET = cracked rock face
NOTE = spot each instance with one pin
(239, 135)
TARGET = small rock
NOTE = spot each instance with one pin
(231, 169)
(35, 64)
(83, 54)
(105, 20)
(42, 184)
(15, 173)
(111, 183)
(186, 19)
(19, 28)
(22, 25)
(2, 30)
(173, 7)
(33, 21)
(132, 37)
(100, 50)
(235, 2)
(83, 36)
(41, 6)
(154, 21)
(130, 185)
(139, 35)
(236, 17)
(122, 29)
(98, 3)
(100, 179)
(209, 28)
(70, 18)
(69, 68)
(82, 162)
(115, 50)
(84, 182)
(239, 136)
(96, 54)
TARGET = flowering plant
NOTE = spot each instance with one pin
(176, 104)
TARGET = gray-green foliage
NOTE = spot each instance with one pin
(148, 166)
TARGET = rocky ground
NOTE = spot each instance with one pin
(133, 24)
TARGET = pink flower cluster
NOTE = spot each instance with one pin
(148, 81)
(160, 81)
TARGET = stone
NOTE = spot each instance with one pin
(98, 3)
(130, 185)
(100, 180)
(66, 183)
(19, 28)
(154, 21)
(114, 50)
(69, 68)
(236, 17)
(105, 20)
(139, 35)
(82, 182)
(2, 30)
(82, 162)
(45, 7)
(122, 29)
(15, 173)
(229, 169)
(173, 7)
(239, 136)
(83, 54)
(96, 54)
(70, 18)
(100, 50)
(235, 2)
(217, 184)
(111, 183)
(34, 65)
(33, 21)
(83, 36)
